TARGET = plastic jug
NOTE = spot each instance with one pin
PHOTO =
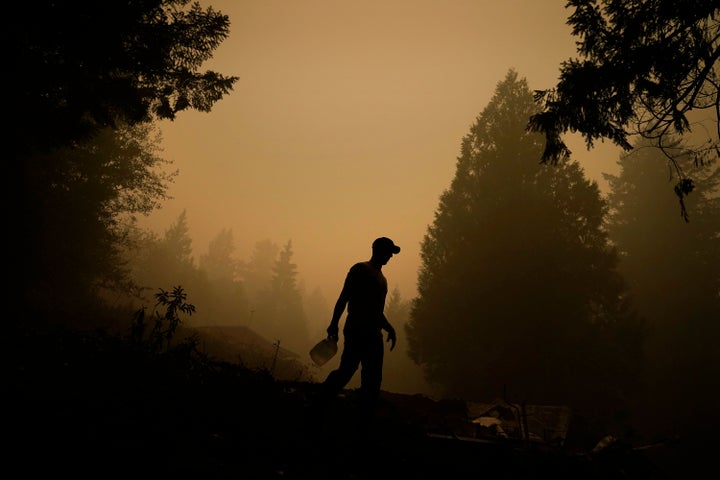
(323, 351)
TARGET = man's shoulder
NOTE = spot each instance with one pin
(359, 266)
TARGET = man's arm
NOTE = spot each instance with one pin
(333, 329)
(392, 338)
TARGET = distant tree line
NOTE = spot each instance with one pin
(263, 292)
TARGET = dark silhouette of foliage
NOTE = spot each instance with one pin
(81, 65)
(78, 206)
(88, 78)
(90, 405)
(158, 260)
(643, 67)
(518, 289)
(165, 326)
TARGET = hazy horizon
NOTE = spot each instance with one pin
(346, 123)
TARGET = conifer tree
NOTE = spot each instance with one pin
(224, 299)
(279, 314)
(219, 262)
(159, 261)
(672, 269)
(519, 295)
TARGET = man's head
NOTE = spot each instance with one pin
(384, 245)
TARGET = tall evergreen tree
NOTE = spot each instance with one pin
(178, 244)
(672, 268)
(289, 322)
(219, 261)
(518, 289)
(276, 300)
(160, 262)
(256, 273)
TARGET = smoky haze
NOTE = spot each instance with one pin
(346, 124)
(575, 286)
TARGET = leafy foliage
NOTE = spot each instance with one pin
(165, 326)
(79, 66)
(88, 78)
(643, 67)
(78, 205)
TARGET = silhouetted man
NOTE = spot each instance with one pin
(363, 293)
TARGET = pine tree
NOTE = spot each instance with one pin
(290, 320)
(165, 261)
(518, 290)
(224, 299)
(277, 305)
(672, 268)
(177, 242)
(219, 262)
(256, 273)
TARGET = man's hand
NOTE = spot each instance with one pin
(332, 332)
(391, 338)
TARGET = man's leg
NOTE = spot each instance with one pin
(333, 384)
(349, 362)
(371, 374)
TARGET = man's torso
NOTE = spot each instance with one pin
(367, 289)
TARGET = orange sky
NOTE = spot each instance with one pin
(347, 120)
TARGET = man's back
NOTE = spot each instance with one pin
(367, 290)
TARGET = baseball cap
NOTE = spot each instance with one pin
(385, 244)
